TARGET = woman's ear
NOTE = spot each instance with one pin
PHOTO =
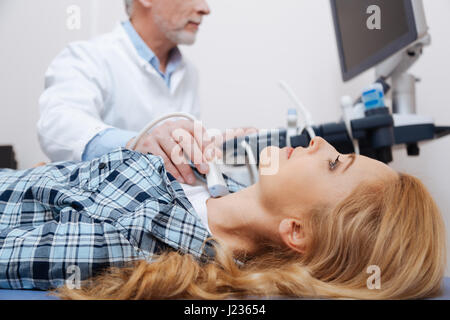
(294, 234)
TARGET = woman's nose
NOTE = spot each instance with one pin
(313, 142)
(316, 143)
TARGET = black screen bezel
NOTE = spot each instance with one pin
(379, 56)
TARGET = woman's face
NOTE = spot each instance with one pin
(305, 177)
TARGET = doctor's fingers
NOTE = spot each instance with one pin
(192, 150)
(195, 129)
(176, 159)
(156, 150)
(199, 151)
(213, 151)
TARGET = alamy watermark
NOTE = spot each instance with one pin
(210, 144)
(74, 279)
(73, 21)
(374, 20)
(374, 281)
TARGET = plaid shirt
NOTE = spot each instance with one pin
(93, 215)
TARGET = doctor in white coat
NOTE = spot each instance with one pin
(100, 93)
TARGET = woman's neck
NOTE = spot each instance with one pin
(239, 221)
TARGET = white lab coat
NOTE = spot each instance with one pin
(103, 83)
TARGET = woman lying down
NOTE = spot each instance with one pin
(323, 226)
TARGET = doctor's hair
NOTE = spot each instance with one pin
(129, 7)
(396, 226)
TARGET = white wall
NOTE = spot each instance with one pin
(243, 48)
(31, 34)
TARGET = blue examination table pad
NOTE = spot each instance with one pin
(43, 295)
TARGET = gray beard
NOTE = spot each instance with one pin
(181, 37)
(177, 36)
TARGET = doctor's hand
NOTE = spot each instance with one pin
(177, 142)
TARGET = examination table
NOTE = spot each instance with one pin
(42, 295)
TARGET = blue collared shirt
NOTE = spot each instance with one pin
(93, 215)
(112, 138)
(147, 54)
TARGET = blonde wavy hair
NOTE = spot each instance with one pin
(395, 226)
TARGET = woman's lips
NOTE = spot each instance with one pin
(290, 150)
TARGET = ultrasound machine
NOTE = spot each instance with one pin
(368, 126)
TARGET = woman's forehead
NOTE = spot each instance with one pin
(373, 167)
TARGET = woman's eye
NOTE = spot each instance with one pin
(334, 164)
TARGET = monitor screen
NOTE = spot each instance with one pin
(367, 36)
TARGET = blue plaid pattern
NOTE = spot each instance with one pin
(121, 207)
